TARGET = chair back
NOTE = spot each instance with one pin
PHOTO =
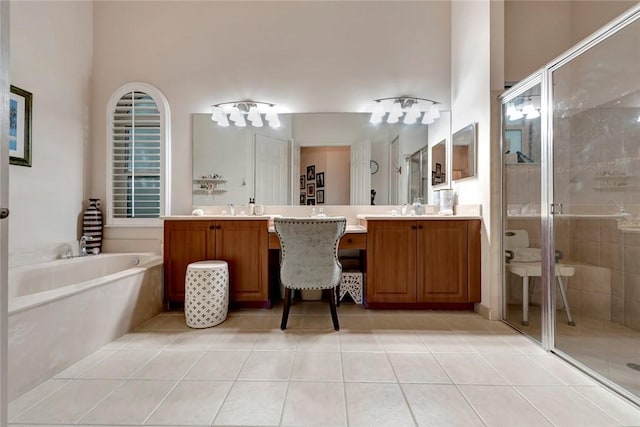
(310, 251)
(514, 239)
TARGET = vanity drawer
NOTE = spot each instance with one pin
(348, 241)
(353, 241)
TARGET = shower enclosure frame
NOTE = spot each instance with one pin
(544, 77)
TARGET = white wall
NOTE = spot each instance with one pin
(538, 31)
(303, 56)
(51, 57)
(471, 102)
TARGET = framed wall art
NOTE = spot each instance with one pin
(20, 104)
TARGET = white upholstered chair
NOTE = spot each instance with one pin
(526, 262)
(310, 257)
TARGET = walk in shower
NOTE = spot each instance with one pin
(571, 205)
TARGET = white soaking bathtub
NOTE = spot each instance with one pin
(63, 310)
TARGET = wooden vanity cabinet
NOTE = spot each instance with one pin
(242, 243)
(423, 263)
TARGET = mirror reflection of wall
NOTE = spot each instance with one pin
(463, 159)
(245, 158)
(439, 163)
(325, 170)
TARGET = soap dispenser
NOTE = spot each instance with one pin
(252, 206)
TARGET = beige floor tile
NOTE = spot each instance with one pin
(369, 367)
(253, 404)
(168, 365)
(191, 403)
(418, 368)
(355, 323)
(119, 365)
(487, 343)
(564, 406)
(360, 341)
(70, 403)
(318, 322)
(315, 404)
(319, 341)
(317, 367)
(267, 365)
(218, 365)
(78, 368)
(511, 367)
(397, 341)
(618, 408)
(27, 400)
(561, 369)
(468, 368)
(277, 340)
(234, 340)
(194, 339)
(445, 342)
(374, 404)
(502, 406)
(174, 321)
(131, 403)
(143, 340)
(440, 405)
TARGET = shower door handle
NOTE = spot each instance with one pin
(4, 212)
(553, 208)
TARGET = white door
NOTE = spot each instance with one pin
(361, 173)
(295, 173)
(4, 202)
(395, 171)
(271, 177)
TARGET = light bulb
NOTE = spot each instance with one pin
(272, 118)
(224, 121)
(240, 122)
(427, 119)
(412, 115)
(377, 114)
(253, 114)
(395, 113)
(530, 111)
(434, 111)
(516, 114)
(257, 121)
(217, 114)
(235, 114)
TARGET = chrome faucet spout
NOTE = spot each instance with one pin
(83, 244)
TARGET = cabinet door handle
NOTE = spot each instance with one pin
(420, 227)
(349, 240)
(218, 227)
(413, 227)
(212, 227)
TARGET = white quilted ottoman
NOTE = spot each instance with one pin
(206, 293)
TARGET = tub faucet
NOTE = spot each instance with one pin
(83, 244)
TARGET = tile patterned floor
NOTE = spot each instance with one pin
(602, 345)
(384, 368)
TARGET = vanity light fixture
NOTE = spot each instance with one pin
(519, 108)
(409, 106)
(236, 111)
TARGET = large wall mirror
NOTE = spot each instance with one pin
(313, 158)
(463, 147)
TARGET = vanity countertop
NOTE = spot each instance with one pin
(351, 229)
(220, 217)
(415, 217)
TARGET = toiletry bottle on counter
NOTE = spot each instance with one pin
(252, 206)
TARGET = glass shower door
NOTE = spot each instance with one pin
(521, 179)
(596, 196)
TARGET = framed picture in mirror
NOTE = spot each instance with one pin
(320, 196)
(302, 182)
(439, 163)
(311, 190)
(311, 173)
(320, 180)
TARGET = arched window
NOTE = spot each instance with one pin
(138, 149)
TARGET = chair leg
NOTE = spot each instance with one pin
(525, 300)
(565, 300)
(336, 294)
(334, 312)
(285, 309)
